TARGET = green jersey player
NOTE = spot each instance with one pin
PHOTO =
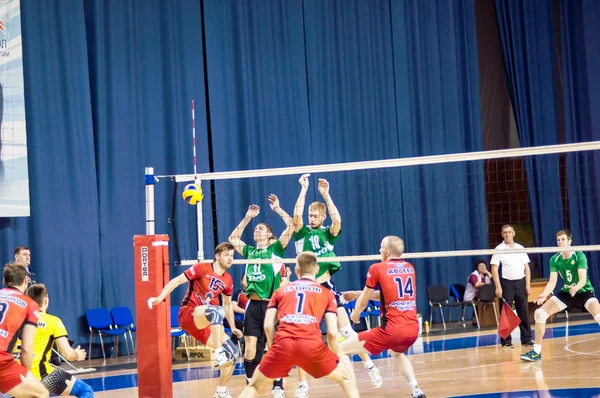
(262, 280)
(577, 291)
(320, 240)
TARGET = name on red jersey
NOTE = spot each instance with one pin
(303, 288)
(400, 269)
(21, 303)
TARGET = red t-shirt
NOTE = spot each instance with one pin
(300, 307)
(206, 285)
(242, 299)
(16, 309)
(397, 283)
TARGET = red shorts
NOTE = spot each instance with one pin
(186, 321)
(395, 337)
(311, 355)
(10, 372)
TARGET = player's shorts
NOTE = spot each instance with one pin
(10, 372)
(56, 382)
(186, 321)
(570, 303)
(396, 337)
(311, 355)
(339, 300)
(254, 318)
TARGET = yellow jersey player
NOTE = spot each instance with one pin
(51, 332)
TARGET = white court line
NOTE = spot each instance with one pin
(593, 353)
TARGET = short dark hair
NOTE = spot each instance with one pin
(14, 274)
(565, 232)
(19, 248)
(38, 292)
(222, 247)
(268, 227)
(479, 262)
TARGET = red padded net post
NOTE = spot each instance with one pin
(155, 377)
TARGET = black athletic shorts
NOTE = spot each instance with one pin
(339, 300)
(254, 318)
(575, 302)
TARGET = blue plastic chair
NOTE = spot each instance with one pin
(123, 318)
(374, 310)
(177, 331)
(100, 322)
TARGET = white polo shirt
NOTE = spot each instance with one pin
(513, 264)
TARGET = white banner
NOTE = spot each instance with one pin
(14, 177)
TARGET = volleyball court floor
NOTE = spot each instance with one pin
(459, 365)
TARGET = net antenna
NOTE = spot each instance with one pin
(197, 181)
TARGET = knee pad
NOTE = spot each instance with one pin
(82, 390)
(215, 314)
(540, 315)
(590, 302)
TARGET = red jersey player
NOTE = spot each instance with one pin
(299, 308)
(399, 328)
(18, 318)
(201, 315)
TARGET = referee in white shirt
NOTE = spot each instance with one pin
(515, 284)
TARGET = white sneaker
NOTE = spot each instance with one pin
(375, 377)
(278, 392)
(222, 360)
(226, 394)
(302, 392)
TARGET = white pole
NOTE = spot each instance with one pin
(150, 181)
(200, 224)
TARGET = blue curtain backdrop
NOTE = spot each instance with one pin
(526, 33)
(581, 82)
(288, 83)
(146, 66)
(437, 93)
(63, 228)
(258, 106)
(353, 118)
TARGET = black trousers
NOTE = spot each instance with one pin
(515, 291)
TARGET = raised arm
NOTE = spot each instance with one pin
(289, 221)
(336, 219)
(299, 208)
(169, 287)
(235, 237)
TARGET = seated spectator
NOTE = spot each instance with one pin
(481, 276)
(240, 301)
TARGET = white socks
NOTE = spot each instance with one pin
(537, 348)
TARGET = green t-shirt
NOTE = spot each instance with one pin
(263, 279)
(567, 269)
(319, 241)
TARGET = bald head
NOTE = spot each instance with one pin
(394, 245)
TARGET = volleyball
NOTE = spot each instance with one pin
(192, 194)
